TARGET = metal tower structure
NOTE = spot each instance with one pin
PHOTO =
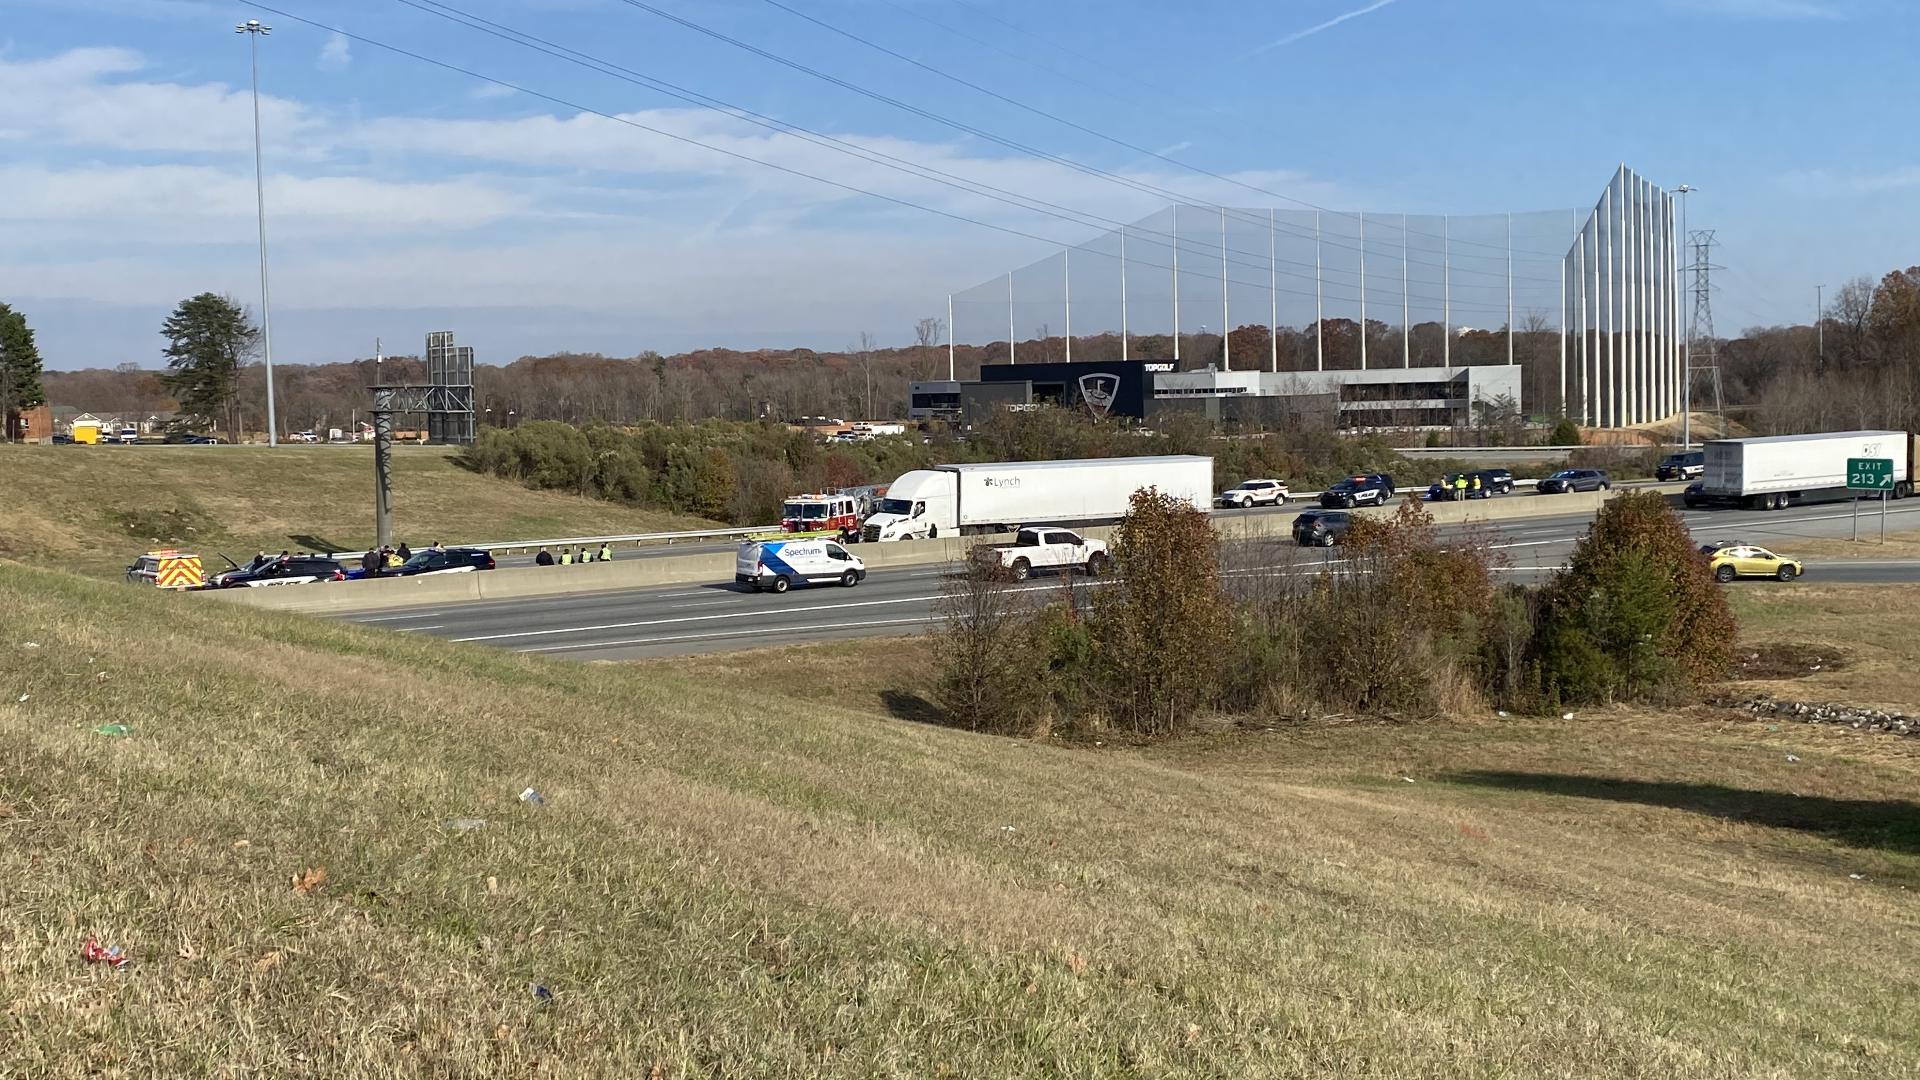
(447, 402)
(1700, 328)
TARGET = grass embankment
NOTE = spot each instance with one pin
(754, 866)
(92, 508)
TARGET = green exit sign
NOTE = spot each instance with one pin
(1869, 474)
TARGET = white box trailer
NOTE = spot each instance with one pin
(953, 500)
(1769, 473)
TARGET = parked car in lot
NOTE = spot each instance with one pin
(1687, 466)
(1568, 480)
(448, 561)
(1044, 549)
(293, 570)
(62, 440)
(1253, 493)
(1321, 528)
(189, 438)
(1370, 489)
(1737, 560)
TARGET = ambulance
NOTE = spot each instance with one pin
(781, 564)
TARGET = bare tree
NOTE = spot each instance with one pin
(863, 355)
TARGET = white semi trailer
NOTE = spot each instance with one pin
(1770, 473)
(955, 500)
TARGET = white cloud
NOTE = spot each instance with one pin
(336, 54)
(81, 98)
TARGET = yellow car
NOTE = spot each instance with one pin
(1746, 560)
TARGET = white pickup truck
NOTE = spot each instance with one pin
(1046, 549)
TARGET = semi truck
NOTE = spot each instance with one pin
(958, 500)
(1772, 472)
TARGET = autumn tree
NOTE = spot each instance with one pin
(1160, 633)
(20, 386)
(209, 337)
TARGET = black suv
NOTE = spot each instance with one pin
(1321, 528)
(450, 561)
(1575, 480)
(1373, 489)
(293, 570)
(1681, 466)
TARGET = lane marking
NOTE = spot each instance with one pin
(392, 618)
(921, 621)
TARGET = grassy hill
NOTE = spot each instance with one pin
(762, 865)
(94, 508)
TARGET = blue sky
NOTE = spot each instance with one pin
(403, 197)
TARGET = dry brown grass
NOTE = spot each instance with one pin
(1899, 544)
(748, 866)
(1875, 627)
(92, 508)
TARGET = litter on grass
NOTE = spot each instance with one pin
(95, 953)
(115, 731)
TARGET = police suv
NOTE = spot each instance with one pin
(781, 564)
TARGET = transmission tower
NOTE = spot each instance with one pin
(1700, 335)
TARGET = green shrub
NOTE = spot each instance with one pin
(1565, 433)
(1636, 615)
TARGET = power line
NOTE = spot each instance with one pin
(688, 140)
(1016, 199)
(977, 132)
(1056, 118)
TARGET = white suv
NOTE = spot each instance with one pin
(1253, 493)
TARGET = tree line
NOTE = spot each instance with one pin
(1860, 357)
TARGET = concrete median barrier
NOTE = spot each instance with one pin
(517, 583)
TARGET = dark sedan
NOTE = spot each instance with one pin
(1567, 480)
(448, 561)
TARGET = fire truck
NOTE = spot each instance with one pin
(837, 514)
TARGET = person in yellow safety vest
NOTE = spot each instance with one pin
(1460, 486)
(582, 555)
(566, 557)
(393, 558)
(1476, 485)
(606, 552)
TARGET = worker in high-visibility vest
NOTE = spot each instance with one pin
(566, 557)
(606, 552)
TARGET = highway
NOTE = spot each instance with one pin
(720, 616)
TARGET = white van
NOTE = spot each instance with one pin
(782, 564)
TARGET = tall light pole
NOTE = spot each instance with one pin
(255, 31)
(1686, 348)
(1820, 320)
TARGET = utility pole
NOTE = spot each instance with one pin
(1820, 322)
(254, 31)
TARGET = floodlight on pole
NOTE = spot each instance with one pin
(1686, 339)
(255, 30)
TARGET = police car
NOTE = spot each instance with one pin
(781, 564)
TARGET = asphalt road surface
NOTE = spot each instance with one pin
(718, 617)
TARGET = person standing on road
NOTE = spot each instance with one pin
(370, 562)
(1460, 486)
(1477, 493)
(404, 551)
(566, 557)
(545, 558)
(393, 557)
(606, 552)
(582, 555)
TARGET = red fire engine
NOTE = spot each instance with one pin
(839, 514)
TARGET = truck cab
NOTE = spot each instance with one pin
(921, 505)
